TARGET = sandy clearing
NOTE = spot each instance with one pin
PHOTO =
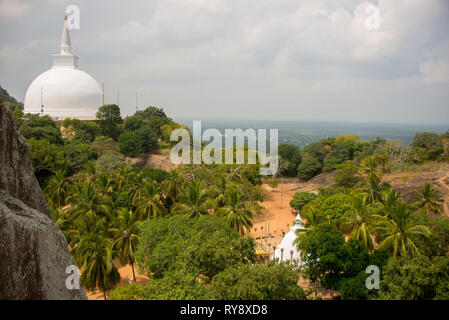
(126, 275)
(277, 216)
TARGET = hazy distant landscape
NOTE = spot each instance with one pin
(301, 133)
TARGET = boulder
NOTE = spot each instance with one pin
(34, 255)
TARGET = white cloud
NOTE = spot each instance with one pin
(13, 8)
(435, 71)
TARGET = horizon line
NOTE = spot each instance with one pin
(441, 124)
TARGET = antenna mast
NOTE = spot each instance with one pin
(42, 104)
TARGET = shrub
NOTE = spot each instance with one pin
(173, 286)
(337, 264)
(46, 158)
(346, 176)
(37, 127)
(300, 199)
(292, 155)
(257, 282)
(415, 278)
(273, 183)
(309, 167)
(103, 145)
(204, 245)
(336, 207)
(110, 162)
(429, 146)
(78, 154)
(135, 142)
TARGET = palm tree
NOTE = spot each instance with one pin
(370, 166)
(235, 212)
(106, 185)
(389, 200)
(147, 200)
(398, 230)
(429, 200)
(122, 178)
(87, 223)
(126, 237)
(89, 175)
(194, 201)
(94, 254)
(87, 198)
(128, 182)
(218, 191)
(67, 225)
(57, 188)
(313, 218)
(173, 186)
(361, 219)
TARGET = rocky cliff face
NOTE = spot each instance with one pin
(34, 254)
(16, 173)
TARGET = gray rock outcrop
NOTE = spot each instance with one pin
(16, 173)
(34, 253)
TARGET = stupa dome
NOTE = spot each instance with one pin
(64, 90)
(287, 246)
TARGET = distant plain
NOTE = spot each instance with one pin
(301, 133)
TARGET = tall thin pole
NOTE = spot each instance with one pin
(279, 216)
(266, 220)
(282, 192)
(42, 103)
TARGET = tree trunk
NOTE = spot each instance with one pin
(104, 294)
(132, 267)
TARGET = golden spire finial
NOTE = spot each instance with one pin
(65, 17)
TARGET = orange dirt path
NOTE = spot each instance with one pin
(275, 219)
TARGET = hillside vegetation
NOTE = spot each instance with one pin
(188, 230)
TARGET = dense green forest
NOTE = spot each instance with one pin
(401, 239)
(335, 153)
(187, 229)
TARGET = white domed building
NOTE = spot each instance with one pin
(286, 250)
(64, 91)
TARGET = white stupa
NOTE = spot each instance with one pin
(286, 250)
(64, 90)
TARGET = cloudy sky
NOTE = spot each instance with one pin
(246, 59)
